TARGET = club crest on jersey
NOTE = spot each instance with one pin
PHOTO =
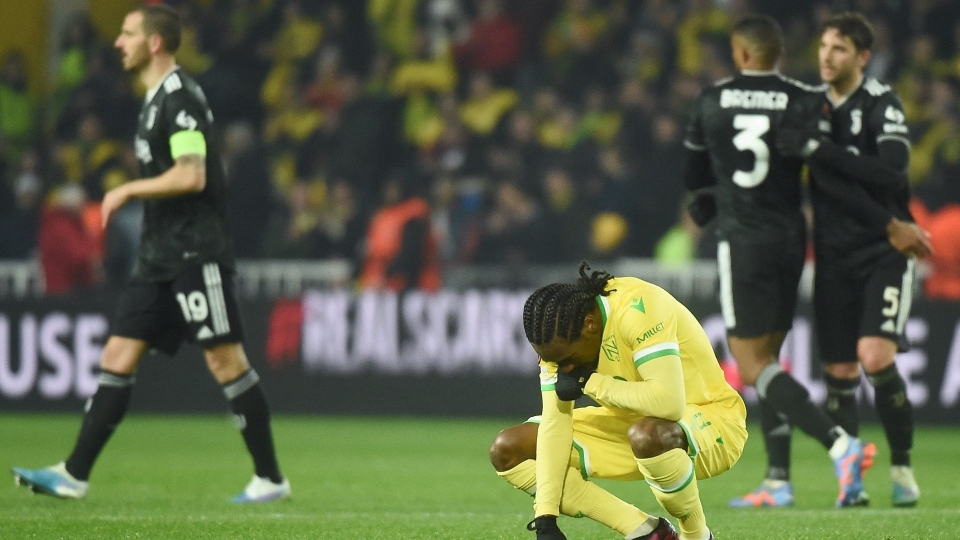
(151, 116)
(142, 148)
(856, 121)
(610, 349)
(186, 121)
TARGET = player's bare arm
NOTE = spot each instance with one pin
(188, 175)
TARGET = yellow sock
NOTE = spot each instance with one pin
(581, 498)
(673, 482)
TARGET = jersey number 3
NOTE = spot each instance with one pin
(752, 127)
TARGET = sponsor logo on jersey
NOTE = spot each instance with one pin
(637, 304)
(895, 128)
(731, 98)
(856, 121)
(186, 121)
(151, 116)
(875, 87)
(610, 349)
(142, 148)
(650, 333)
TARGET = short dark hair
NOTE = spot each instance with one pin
(163, 21)
(854, 26)
(763, 32)
(557, 310)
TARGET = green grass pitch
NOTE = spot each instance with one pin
(354, 478)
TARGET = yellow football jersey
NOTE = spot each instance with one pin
(642, 322)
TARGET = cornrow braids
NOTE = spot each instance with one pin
(557, 310)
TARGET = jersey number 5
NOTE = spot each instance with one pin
(752, 127)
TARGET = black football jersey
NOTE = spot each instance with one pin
(758, 190)
(870, 115)
(186, 229)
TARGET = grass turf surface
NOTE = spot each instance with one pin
(171, 477)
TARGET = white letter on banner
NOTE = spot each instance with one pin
(55, 385)
(467, 345)
(326, 329)
(425, 318)
(950, 390)
(90, 329)
(375, 331)
(15, 385)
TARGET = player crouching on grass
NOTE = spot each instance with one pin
(667, 414)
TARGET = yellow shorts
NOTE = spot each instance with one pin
(716, 435)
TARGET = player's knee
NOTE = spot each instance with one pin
(226, 362)
(119, 358)
(875, 355)
(843, 370)
(508, 449)
(651, 437)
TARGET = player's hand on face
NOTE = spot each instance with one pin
(546, 528)
(571, 379)
(112, 201)
(909, 239)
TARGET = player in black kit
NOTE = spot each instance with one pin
(182, 286)
(865, 239)
(734, 170)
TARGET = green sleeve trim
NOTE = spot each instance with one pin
(187, 142)
(666, 352)
(548, 387)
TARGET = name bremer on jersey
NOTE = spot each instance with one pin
(733, 98)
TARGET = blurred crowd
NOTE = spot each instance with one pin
(414, 135)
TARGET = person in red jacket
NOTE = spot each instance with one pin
(69, 255)
(401, 251)
(493, 43)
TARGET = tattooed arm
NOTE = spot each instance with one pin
(188, 175)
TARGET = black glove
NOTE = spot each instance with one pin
(570, 385)
(703, 207)
(801, 136)
(546, 527)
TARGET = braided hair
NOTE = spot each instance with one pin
(557, 310)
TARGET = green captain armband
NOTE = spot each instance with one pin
(187, 142)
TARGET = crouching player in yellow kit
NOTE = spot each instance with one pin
(667, 414)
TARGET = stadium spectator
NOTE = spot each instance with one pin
(514, 232)
(70, 256)
(20, 209)
(249, 192)
(401, 250)
(492, 44)
(18, 110)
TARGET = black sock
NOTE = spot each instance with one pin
(791, 399)
(842, 403)
(249, 406)
(103, 413)
(895, 412)
(776, 437)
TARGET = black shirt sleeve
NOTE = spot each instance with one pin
(850, 198)
(184, 111)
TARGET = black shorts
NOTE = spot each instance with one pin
(854, 301)
(200, 306)
(758, 285)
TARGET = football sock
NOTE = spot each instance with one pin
(776, 438)
(582, 498)
(895, 412)
(673, 481)
(103, 413)
(789, 397)
(842, 403)
(249, 406)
